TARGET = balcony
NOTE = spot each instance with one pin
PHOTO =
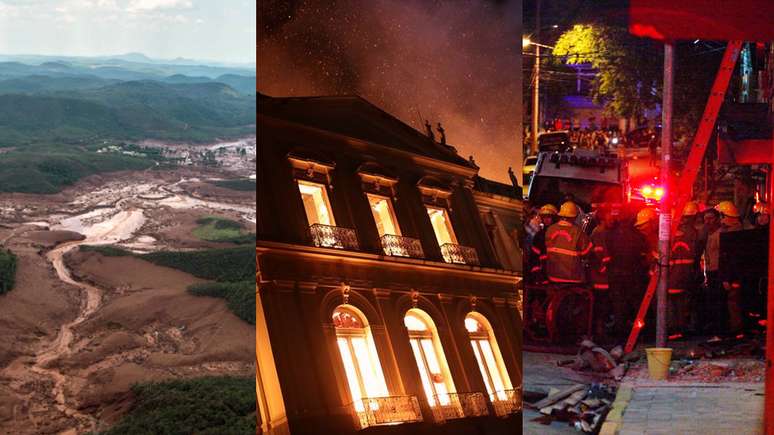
(506, 402)
(400, 246)
(459, 405)
(459, 254)
(375, 411)
(326, 236)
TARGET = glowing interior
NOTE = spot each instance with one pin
(488, 356)
(433, 370)
(358, 354)
(384, 215)
(316, 205)
(441, 225)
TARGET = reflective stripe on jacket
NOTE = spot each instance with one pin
(566, 245)
(599, 259)
(682, 260)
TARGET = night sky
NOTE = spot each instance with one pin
(453, 61)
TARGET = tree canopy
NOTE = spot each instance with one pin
(629, 69)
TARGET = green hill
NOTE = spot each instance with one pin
(49, 169)
(125, 111)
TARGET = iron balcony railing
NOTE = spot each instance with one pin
(401, 246)
(374, 411)
(327, 236)
(459, 405)
(459, 254)
(506, 402)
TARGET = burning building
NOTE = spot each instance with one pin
(387, 277)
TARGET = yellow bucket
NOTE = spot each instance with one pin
(659, 359)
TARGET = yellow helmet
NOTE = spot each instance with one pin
(548, 209)
(568, 210)
(644, 216)
(727, 208)
(690, 209)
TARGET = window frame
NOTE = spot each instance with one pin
(487, 334)
(347, 334)
(449, 225)
(391, 212)
(325, 197)
(431, 333)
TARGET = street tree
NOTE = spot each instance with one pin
(629, 69)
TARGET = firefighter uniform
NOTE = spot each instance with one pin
(598, 264)
(537, 256)
(682, 270)
(627, 273)
(728, 274)
(566, 245)
(600, 258)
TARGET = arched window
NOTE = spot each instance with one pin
(433, 370)
(358, 353)
(490, 361)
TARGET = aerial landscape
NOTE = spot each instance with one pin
(127, 225)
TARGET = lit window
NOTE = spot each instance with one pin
(316, 204)
(431, 362)
(490, 361)
(444, 232)
(358, 353)
(384, 216)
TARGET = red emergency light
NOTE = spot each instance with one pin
(652, 193)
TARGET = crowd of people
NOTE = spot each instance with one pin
(614, 251)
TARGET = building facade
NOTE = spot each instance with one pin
(387, 278)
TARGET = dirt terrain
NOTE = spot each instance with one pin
(80, 328)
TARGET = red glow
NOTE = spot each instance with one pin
(639, 324)
(762, 322)
(675, 336)
(740, 336)
(651, 192)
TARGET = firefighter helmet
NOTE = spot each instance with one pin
(645, 215)
(548, 209)
(690, 209)
(727, 208)
(568, 210)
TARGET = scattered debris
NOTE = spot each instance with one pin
(718, 371)
(598, 360)
(582, 406)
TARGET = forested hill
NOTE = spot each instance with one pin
(195, 112)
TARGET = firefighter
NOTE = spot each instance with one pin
(647, 224)
(538, 256)
(713, 297)
(566, 246)
(598, 263)
(729, 276)
(682, 269)
(627, 272)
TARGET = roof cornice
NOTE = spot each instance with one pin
(360, 144)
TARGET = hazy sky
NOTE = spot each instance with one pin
(221, 30)
(457, 62)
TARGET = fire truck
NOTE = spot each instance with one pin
(561, 314)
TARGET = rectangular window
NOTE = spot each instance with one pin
(316, 204)
(444, 232)
(384, 215)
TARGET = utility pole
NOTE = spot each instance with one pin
(536, 84)
(665, 217)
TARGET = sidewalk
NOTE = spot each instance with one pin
(649, 407)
